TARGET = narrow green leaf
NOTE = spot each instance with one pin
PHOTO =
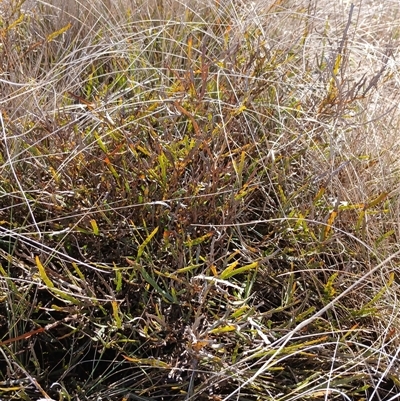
(153, 283)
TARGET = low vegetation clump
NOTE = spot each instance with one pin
(199, 200)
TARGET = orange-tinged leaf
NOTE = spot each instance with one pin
(90, 105)
(183, 111)
(111, 168)
(199, 345)
(190, 44)
(329, 223)
(332, 217)
(166, 236)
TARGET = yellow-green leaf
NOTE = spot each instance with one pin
(377, 200)
(117, 318)
(199, 240)
(224, 329)
(145, 243)
(329, 288)
(54, 35)
(95, 227)
(42, 273)
(230, 271)
(118, 278)
(147, 362)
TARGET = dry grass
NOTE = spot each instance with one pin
(199, 200)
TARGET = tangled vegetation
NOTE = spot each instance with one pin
(199, 200)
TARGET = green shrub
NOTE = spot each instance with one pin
(198, 200)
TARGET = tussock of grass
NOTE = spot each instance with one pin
(199, 201)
